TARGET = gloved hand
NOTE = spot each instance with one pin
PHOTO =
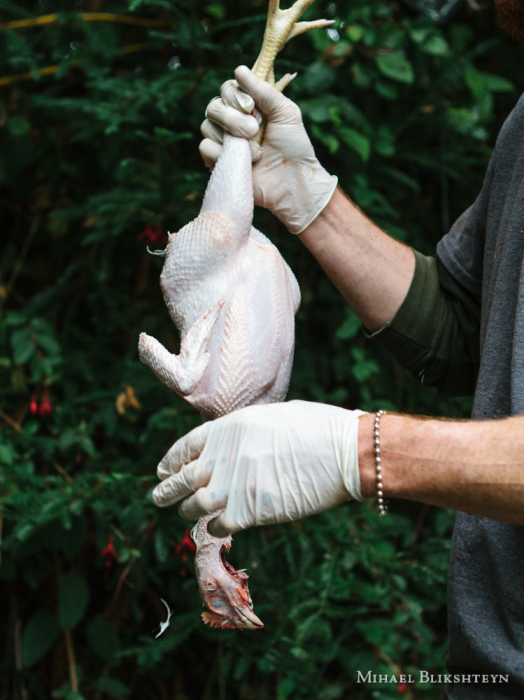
(263, 464)
(287, 177)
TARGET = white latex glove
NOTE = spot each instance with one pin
(263, 464)
(287, 177)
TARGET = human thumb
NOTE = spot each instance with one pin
(267, 98)
(222, 526)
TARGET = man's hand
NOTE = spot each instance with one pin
(287, 177)
(263, 464)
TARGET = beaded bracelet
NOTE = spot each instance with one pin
(382, 503)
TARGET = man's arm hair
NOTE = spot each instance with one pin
(474, 466)
(408, 302)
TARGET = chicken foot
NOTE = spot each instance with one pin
(282, 26)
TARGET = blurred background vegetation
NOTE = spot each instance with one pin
(100, 107)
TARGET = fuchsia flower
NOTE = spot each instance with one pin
(110, 556)
(46, 407)
(152, 237)
(33, 406)
(184, 547)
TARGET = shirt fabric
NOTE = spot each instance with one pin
(484, 251)
(484, 254)
(435, 333)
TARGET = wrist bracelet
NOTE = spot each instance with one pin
(381, 501)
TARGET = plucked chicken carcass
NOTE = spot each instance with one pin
(233, 299)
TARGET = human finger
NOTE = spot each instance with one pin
(203, 502)
(223, 525)
(183, 484)
(233, 96)
(184, 451)
(210, 130)
(214, 133)
(209, 151)
(267, 98)
(256, 151)
(231, 120)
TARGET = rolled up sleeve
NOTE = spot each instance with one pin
(435, 333)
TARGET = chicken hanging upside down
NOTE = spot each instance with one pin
(233, 299)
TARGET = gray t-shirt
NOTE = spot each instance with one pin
(484, 251)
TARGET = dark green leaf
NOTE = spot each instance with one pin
(73, 596)
(111, 685)
(329, 140)
(355, 32)
(161, 545)
(436, 45)
(102, 638)
(387, 90)
(396, 66)
(384, 143)
(7, 455)
(475, 80)
(19, 125)
(350, 327)
(356, 141)
(38, 637)
(71, 540)
(22, 344)
(318, 76)
(495, 83)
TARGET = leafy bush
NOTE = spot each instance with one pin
(99, 126)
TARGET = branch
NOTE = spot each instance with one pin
(86, 17)
(73, 679)
(130, 48)
(10, 421)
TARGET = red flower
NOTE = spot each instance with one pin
(110, 556)
(33, 406)
(150, 236)
(401, 688)
(184, 547)
(45, 407)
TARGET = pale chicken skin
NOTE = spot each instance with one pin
(233, 299)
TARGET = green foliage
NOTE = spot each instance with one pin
(73, 596)
(91, 152)
(39, 635)
(102, 638)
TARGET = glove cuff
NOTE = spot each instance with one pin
(350, 470)
(308, 204)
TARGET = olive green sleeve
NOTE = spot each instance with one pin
(435, 332)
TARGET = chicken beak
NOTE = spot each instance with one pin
(249, 619)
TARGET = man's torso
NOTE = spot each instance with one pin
(484, 251)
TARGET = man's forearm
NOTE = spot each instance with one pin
(473, 466)
(372, 270)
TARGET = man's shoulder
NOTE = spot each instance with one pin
(462, 249)
(512, 128)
